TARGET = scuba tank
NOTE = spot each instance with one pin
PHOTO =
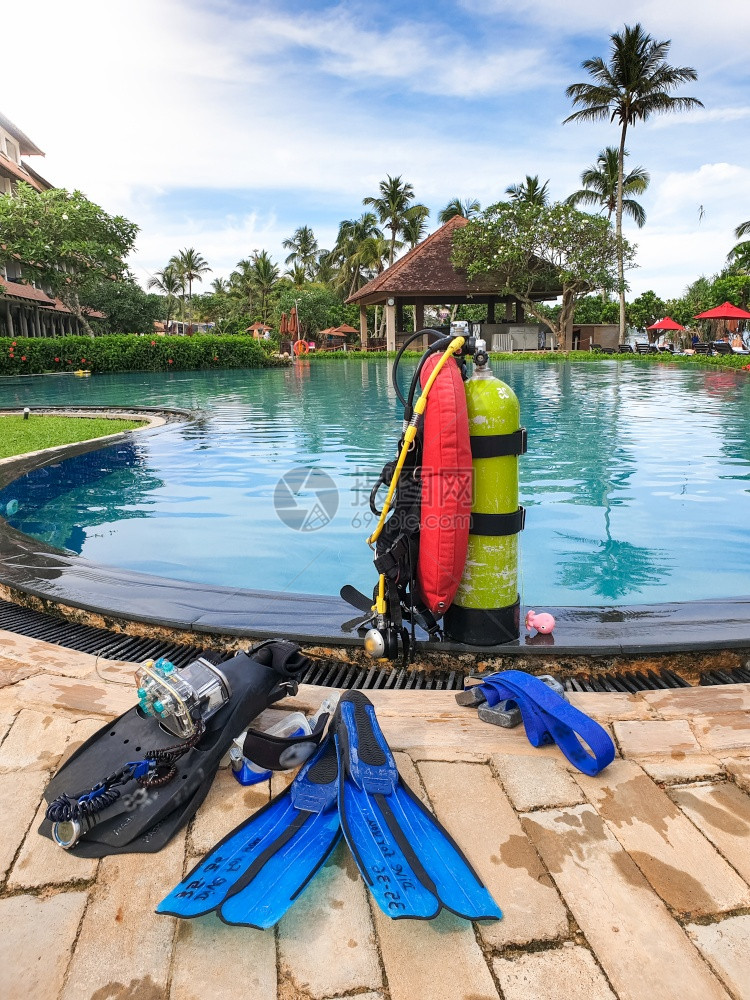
(485, 611)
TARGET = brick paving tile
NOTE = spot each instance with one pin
(641, 739)
(213, 960)
(124, 948)
(739, 768)
(12, 671)
(727, 732)
(722, 813)
(726, 947)
(226, 806)
(681, 703)
(549, 975)
(679, 863)
(35, 742)
(19, 799)
(536, 783)
(42, 862)
(327, 941)
(433, 959)
(473, 808)
(611, 707)
(35, 944)
(79, 696)
(676, 767)
(627, 925)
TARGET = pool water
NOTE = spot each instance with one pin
(636, 482)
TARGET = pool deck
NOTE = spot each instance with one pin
(634, 883)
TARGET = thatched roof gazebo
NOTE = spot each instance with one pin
(426, 276)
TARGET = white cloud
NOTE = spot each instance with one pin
(701, 116)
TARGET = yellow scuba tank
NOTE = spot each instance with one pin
(485, 610)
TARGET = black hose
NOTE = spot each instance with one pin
(397, 359)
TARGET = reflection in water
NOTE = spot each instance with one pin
(636, 478)
(61, 504)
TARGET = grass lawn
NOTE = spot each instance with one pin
(18, 436)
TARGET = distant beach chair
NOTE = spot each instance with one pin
(625, 349)
(702, 348)
(722, 347)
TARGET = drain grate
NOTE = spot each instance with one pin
(630, 682)
(117, 646)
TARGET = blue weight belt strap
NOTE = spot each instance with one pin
(548, 718)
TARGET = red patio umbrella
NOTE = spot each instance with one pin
(725, 311)
(293, 324)
(665, 324)
(283, 325)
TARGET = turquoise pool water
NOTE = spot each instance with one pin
(636, 482)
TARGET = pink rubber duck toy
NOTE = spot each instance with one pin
(543, 622)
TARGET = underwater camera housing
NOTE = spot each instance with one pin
(177, 698)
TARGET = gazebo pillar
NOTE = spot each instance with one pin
(509, 310)
(520, 316)
(390, 325)
(9, 319)
(491, 311)
(363, 326)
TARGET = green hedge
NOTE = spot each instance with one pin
(129, 353)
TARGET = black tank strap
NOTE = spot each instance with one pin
(498, 524)
(499, 445)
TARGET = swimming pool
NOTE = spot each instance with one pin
(636, 482)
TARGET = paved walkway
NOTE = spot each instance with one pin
(633, 884)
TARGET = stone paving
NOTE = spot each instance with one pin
(632, 884)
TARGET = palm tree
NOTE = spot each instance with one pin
(600, 186)
(529, 192)
(297, 275)
(167, 282)
(346, 254)
(636, 84)
(395, 201)
(219, 286)
(414, 227)
(305, 250)
(191, 266)
(264, 276)
(467, 208)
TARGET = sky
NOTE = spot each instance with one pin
(226, 124)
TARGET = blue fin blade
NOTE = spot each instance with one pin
(408, 860)
(264, 900)
(398, 890)
(303, 814)
(457, 885)
(208, 883)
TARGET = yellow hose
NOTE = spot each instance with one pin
(411, 432)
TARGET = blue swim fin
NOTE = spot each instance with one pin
(410, 863)
(256, 872)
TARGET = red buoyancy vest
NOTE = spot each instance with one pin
(446, 488)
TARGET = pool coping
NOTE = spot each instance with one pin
(34, 569)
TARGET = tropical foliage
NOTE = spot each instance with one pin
(635, 84)
(529, 247)
(467, 208)
(529, 192)
(64, 242)
(600, 187)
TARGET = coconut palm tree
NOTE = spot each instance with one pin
(219, 286)
(167, 282)
(346, 255)
(305, 250)
(395, 201)
(636, 84)
(414, 227)
(297, 275)
(264, 276)
(467, 208)
(600, 186)
(191, 266)
(529, 192)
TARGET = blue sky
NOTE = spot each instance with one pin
(225, 125)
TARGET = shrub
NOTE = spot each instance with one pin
(124, 353)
